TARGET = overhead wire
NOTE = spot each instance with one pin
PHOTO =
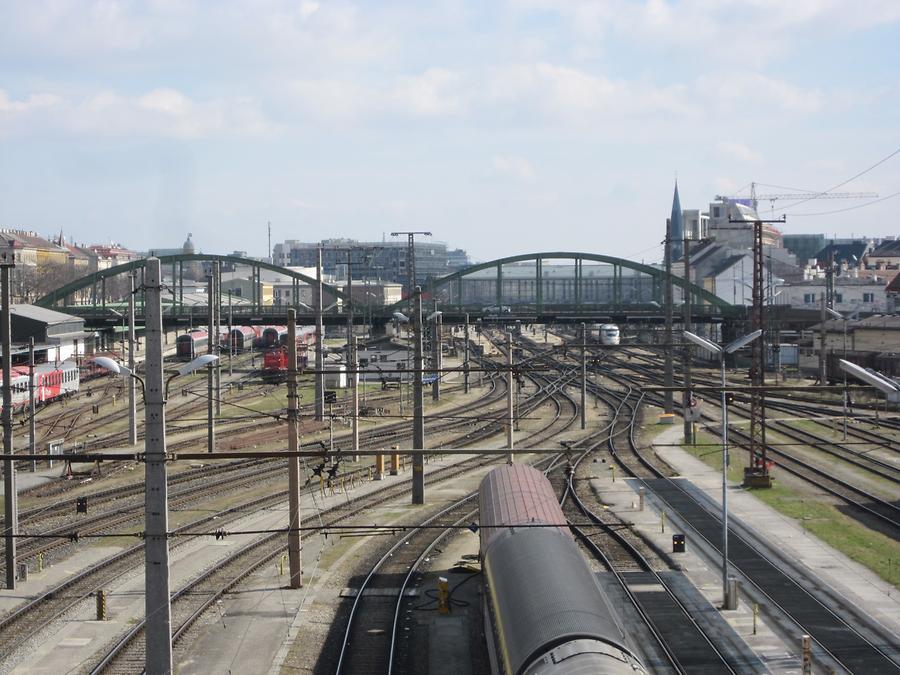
(849, 208)
(843, 183)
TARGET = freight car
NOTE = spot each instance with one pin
(51, 381)
(191, 345)
(546, 610)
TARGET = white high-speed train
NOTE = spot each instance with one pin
(609, 334)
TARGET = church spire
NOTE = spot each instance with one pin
(677, 228)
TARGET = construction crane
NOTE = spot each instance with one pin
(801, 194)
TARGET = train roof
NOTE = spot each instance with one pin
(547, 596)
(516, 494)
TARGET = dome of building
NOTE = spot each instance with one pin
(188, 246)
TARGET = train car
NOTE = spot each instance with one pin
(51, 381)
(272, 336)
(306, 335)
(547, 611)
(191, 345)
(242, 339)
(609, 334)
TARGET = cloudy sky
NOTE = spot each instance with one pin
(503, 127)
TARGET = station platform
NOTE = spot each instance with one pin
(775, 642)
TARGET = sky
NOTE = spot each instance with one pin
(502, 127)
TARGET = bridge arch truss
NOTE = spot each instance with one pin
(585, 282)
(99, 288)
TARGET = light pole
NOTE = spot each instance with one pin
(158, 608)
(418, 430)
(837, 315)
(10, 497)
(722, 351)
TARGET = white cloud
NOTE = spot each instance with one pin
(436, 92)
(516, 167)
(739, 151)
(160, 112)
(750, 91)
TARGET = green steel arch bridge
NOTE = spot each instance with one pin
(545, 287)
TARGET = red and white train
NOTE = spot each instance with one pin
(51, 381)
(275, 360)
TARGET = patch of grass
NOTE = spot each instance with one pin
(879, 553)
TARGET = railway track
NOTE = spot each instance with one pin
(845, 636)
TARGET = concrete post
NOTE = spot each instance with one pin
(510, 398)
(354, 382)
(320, 340)
(669, 372)
(31, 422)
(584, 376)
(823, 374)
(466, 357)
(686, 397)
(418, 432)
(436, 360)
(10, 497)
(132, 398)
(217, 296)
(156, 497)
(210, 369)
(295, 549)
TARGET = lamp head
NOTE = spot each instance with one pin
(742, 341)
(197, 364)
(702, 342)
(107, 364)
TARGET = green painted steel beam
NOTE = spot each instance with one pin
(90, 280)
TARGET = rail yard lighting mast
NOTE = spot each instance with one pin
(837, 315)
(156, 507)
(722, 351)
(10, 497)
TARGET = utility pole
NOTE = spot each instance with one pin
(156, 497)
(510, 400)
(210, 369)
(354, 369)
(585, 333)
(295, 549)
(466, 357)
(217, 269)
(686, 306)
(410, 260)
(132, 394)
(269, 225)
(230, 336)
(10, 497)
(320, 342)
(436, 358)
(669, 371)
(31, 422)
(757, 474)
(823, 370)
(418, 431)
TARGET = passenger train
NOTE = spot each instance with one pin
(548, 614)
(51, 381)
(191, 345)
(609, 334)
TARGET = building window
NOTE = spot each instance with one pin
(868, 297)
(716, 212)
(838, 297)
(809, 298)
